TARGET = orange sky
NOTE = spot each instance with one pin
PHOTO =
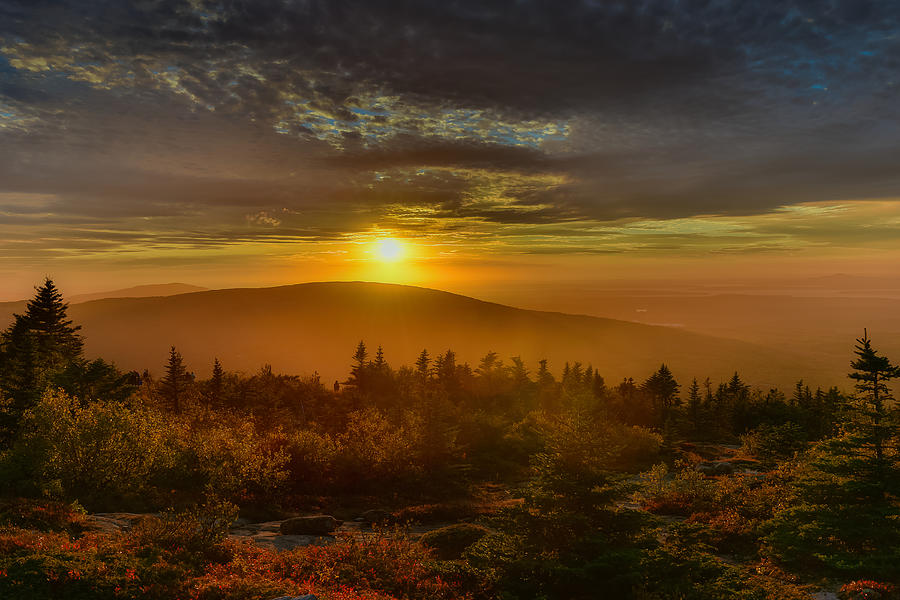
(267, 143)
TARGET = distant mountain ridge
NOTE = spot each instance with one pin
(316, 326)
(140, 291)
(7, 309)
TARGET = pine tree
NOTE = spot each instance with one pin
(847, 518)
(544, 377)
(519, 372)
(694, 403)
(599, 385)
(174, 387)
(379, 362)
(422, 365)
(575, 374)
(875, 422)
(216, 384)
(663, 389)
(357, 377)
(39, 344)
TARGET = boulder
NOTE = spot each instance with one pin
(313, 525)
(377, 516)
(720, 467)
(724, 468)
(706, 468)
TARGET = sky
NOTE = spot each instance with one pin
(263, 142)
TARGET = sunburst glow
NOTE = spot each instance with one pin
(389, 250)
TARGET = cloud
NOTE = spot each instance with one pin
(200, 123)
(263, 218)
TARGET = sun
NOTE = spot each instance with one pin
(389, 250)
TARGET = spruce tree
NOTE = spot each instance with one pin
(379, 363)
(39, 344)
(847, 517)
(216, 384)
(358, 370)
(694, 405)
(174, 387)
(544, 377)
(422, 366)
(599, 385)
(663, 390)
(875, 422)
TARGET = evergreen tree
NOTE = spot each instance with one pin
(875, 423)
(39, 344)
(422, 365)
(216, 384)
(599, 385)
(379, 362)
(694, 405)
(575, 375)
(96, 380)
(544, 377)
(663, 389)
(447, 374)
(358, 370)
(519, 371)
(175, 386)
(847, 518)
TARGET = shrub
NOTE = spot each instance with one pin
(374, 449)
(683, 493)
(388, 563)
(43, 516)
(442, 512)
(238, 462)
(103, 454)
(866, 589)
(311, 459)
(450, 542)
(583, 441)
(193, 535)
(771, 443)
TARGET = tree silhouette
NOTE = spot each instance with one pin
(847, 514)
(174, 387)
(379, 362)
(40, 343)
(544, 377)
(875, 416)
(422, 366)
(358, 370)
(216, 384)
(663, 388)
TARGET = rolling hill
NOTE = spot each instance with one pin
(140, 291)
(7, 309)
(316, 326)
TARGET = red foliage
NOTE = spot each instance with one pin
(860, 590)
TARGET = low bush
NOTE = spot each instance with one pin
(238, 462)
(194, 535)
(441, 512)
(43, 515)
(105, 455)
(866, 589)
(771, 443)
(389, 563)
(185, 555)
(450, 542)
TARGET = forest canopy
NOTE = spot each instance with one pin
(553, 482)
